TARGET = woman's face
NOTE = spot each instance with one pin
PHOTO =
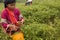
(11, 6)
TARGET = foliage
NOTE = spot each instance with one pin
(42, 20)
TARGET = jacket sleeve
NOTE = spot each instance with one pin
(4, 20)
(20, 16)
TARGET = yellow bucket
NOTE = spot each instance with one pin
(18, 36)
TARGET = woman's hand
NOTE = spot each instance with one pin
(12, 27)
(21, 22)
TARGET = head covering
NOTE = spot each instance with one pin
(6, 2)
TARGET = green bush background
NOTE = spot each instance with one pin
(42, 20)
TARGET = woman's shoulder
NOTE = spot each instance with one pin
(16, 9)
(4, 11)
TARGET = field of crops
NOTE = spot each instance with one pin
(42, 20)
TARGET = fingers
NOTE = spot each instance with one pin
(13, 27)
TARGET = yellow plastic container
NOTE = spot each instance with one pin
(18, 36)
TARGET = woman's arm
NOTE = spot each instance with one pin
(4, 19)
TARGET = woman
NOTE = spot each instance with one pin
(11, 19)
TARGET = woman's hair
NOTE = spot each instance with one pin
(6, 2)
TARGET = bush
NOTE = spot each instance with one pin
(39, 14)
(35, 31)
(42, 20)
